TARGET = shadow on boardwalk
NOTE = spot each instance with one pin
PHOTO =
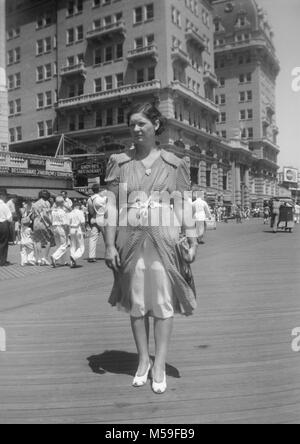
(121, 363)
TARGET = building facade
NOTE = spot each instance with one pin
(76, 66)
(247, 68)
(3, 88)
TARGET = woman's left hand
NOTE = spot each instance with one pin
(189, 250)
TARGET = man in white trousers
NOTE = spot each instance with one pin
(201, 214)
(77, 230)
(60, 226)
(97, 208)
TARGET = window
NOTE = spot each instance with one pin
(150, 39)
(18, 107)
(108, 20)
(48, 96)
(41, 129)
(79, 33)
(48, 71)
(223, 117)
(249, 96)
(151, 73)
(70, 8)
(150, 12)
(70, 36)
(242, 96)
(108, 83)
(223, 99)
(39, 47)
(97, 24)
(242, 114)
(80, 89)
(208, 178)
(18, 80)
(19, 133)
(47, 44)
(121, 116)
(120, 80)
(250, 133)
(99, 121)
(139, 43)
(224, 134)
(17, 55)
(72, 91)
(217, 100)
(10, 57)
(11, 82)
(108, 54)
(222, 81)
(242, 78)
(11, 106)
(109, 117)
(98, 56)
(40, 101)
(249, 77)
(12, 135)
(71, 61)
(140, 76)
(225, 182)
(119, 51)
(98, 85)
(244, 133)
(250, 114)
(138, 15)
(40, 73)
(118, 17)
(49, 127)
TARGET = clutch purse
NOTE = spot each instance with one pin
(185, 267)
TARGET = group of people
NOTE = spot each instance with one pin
(59, 225)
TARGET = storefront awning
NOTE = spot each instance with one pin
(32, 193)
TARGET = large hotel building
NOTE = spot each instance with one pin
(75, 66)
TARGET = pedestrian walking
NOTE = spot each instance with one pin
(60, 227)
(27, 245)
(149, 281)
(68, 204)
(77, 230)
(201, 214)
(5, 220)
(297, 213)
(96, 208)
(276, 204)
(42, 235)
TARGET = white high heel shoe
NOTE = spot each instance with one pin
(139, 381)
(159, 387)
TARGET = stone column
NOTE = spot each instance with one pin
(215, 179)
(220, 185)
(3, 85)
(247, 188)
(202, 172)
(237, 184)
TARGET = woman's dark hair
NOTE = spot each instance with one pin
(152, 113)
(44, 194)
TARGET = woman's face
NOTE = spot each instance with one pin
(142, 129)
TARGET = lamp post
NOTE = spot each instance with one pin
(3, 84)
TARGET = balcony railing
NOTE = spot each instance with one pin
(73, 70)
(123, 91)
(143, 52)
(195, 38)
(179, 55)
(107, 31)
(211, 78)
(185, 91)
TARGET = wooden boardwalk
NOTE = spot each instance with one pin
(70, 357)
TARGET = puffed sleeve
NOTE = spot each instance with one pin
(183, 181)
(113, 174)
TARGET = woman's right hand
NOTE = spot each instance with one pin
(112, 258)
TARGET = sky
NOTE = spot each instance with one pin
(284, 17)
